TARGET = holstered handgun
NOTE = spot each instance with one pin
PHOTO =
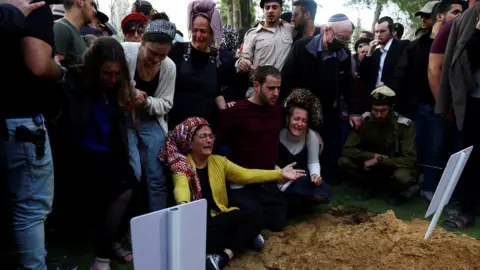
(38, 138)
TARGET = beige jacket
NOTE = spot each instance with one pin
(160, 104)
(264, 46)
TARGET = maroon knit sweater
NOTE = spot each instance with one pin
(253, 133)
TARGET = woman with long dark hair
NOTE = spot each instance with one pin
(99, 93)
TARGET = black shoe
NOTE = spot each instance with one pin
(396, 199)
(215, 262)
(258, 243)
(364, 195)
(64, 266)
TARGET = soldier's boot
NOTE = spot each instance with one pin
(365, 194)
(402, 179)
(348, 170)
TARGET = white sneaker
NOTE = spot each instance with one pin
(284, 186)
(427, 194)
(214, 262)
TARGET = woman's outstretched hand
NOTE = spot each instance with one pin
(291, 174)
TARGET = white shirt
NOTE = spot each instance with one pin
(384, 51)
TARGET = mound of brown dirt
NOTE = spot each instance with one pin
(347, 238)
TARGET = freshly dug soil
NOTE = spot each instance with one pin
(351, 238)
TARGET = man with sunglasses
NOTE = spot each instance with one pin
(323, 65)
(425, 15)
(382, 152)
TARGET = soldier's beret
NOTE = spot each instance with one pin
(383, 92)
(383, 96)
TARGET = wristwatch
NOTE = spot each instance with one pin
(380, 159)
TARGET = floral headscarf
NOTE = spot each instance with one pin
(305, 99)
(178, 145)
(229, 39)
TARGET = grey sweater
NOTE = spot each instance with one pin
(162, 101)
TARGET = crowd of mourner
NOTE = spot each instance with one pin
(259, 126)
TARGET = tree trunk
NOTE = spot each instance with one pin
(376, 15)
(230, 12)
(236, 15)
(245, 18)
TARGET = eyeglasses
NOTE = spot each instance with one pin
(344, 40)
(204, 136)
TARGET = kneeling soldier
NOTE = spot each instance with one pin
(382, 152)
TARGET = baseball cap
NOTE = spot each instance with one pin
(427, 9)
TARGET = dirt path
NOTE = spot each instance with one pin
(347, 238)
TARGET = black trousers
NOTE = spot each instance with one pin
(102, 190)
(469, 183)
(233, 230)
(265, 201)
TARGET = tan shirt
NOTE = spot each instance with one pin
(268, 46)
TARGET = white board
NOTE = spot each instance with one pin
(447, 185)
(171, 239)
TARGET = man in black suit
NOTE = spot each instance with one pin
(385, 51)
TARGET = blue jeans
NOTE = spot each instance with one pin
(144, 147)
(30, 180)
(430, 132)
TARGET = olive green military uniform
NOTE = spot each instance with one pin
(394, 138)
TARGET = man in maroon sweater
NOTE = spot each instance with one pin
(252, 130)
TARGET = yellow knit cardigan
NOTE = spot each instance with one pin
(220, 170)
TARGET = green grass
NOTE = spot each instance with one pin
(413, 209)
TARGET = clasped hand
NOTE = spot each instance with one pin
(372, 162)
(141, 97)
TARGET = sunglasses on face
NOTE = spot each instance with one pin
(132, 32)
(426, 16)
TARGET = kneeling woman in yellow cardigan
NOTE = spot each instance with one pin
(198, 174)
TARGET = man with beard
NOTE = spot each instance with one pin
(382, 152)
(323, 65)
(378, 67)
(269, 42)
(69, 44)
(304, 19)
(252, 129)
(425, 15)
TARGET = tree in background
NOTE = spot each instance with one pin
(357, 31)
(240, 14)
(407, 7)
(118, 10)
